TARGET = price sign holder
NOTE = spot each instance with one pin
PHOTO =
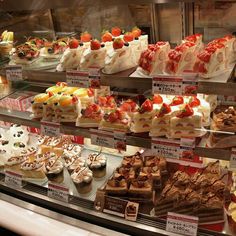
(58, 192)
(77, 78)
(14, 73)
(119, 140)
(182, 224)
(94, 77)
(115, 206)
(13, 179)
(168, 148)
(50, 129)
(232, 162)
(187, 146)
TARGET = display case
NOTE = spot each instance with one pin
(121, 113)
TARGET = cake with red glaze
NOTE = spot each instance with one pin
(182, 58)
(153, 60)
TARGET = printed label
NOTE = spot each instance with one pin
(120, 140)
(58, 192)
(50, 129)
(182, 224)
(94, 77)
(14, 73)
(77, 78)
(189, 84)
(13, 179)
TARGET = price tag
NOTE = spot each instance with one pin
(50, 129)
(189, 84)
(232, 162)
(121, 208)
(58, 192)
(120, 140)
(13, 179)
(187, 146)
(76, 78)
(167, 85)
(168, 148)
(182, 224)
(14, 73)
(94, 77)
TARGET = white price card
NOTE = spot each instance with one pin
(163, 84)
(50, 129)
(14, 73)
(182, 224)
(232, 162)
(102, 138)
(13, 179)
(76, 78)
(94, 77)
(120, 140)
(189, 84)
(187, 146)
(168, 148)
(58, 192)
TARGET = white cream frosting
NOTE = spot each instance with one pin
(96, 161)
(82, 174)
(31, 165)
(15, 160)
(53, 166)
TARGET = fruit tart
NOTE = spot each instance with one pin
(91, 116)
(115, 120)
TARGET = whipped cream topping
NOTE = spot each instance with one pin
(45, 156)
(41, 139)
(71, 150)
(76, 163)
(53, 166)
(29, 151)
(95, 161)
(53, 141)
(27, 165)
(15, 160)
(82, 174)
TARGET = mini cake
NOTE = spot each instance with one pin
(120, 58)
(152, 161)
(49, 107)
(107, 103)
(70, 150)
(37, 104)
(71, 56)
(97, 163)
(14, 163)
(91, 116)
(73, 163)
(154, 59)
(67, 109)
(85, 38)
(93, 56)
(186, 123)
(135, 161)
(181, 58)
(54, 170)
(82, 178)
(117, 185)
(153, 172)
(141, 187)
(116, 120)
(127, 172)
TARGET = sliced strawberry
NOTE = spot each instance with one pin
(116, 31)
(147, 106)
(73, 43)
(126, 107)
(85, 37)
(174, 55)
(95, 107)
(107, 37)
(90, 92)
(194, 102)
(128, 37)
(204, 56)
(187, 111)
(74, 99)
(165, 109)
(102, 101)
(88, 111)
(95, 44)
(118, 43)
(113, 117)
(177, 100)
(120, 114)
(157, 99)
(136, 32)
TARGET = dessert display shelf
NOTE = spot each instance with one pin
(221, 85)
(24, 118)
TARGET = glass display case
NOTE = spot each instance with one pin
(121, 113)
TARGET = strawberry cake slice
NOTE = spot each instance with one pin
(107, 39)
(91, 116)
(137, 33)
(85, 38)
(153, 60)
(212, 60)
(93, 56)
(182, 58)
(195, 38)
(115, 120)
(120, 58)
(186, 123)
(107, 103)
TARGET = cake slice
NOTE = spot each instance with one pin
(86, 96)
(135, 161)
(117, 185)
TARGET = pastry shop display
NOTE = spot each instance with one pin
(97, 163)
(54, 50)
(82, 177)
(71, 56)
(6, 43)
(223, 127)
(90, 116)
(120, 58)
(153, 60)
(115, 120)
(94, 56)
